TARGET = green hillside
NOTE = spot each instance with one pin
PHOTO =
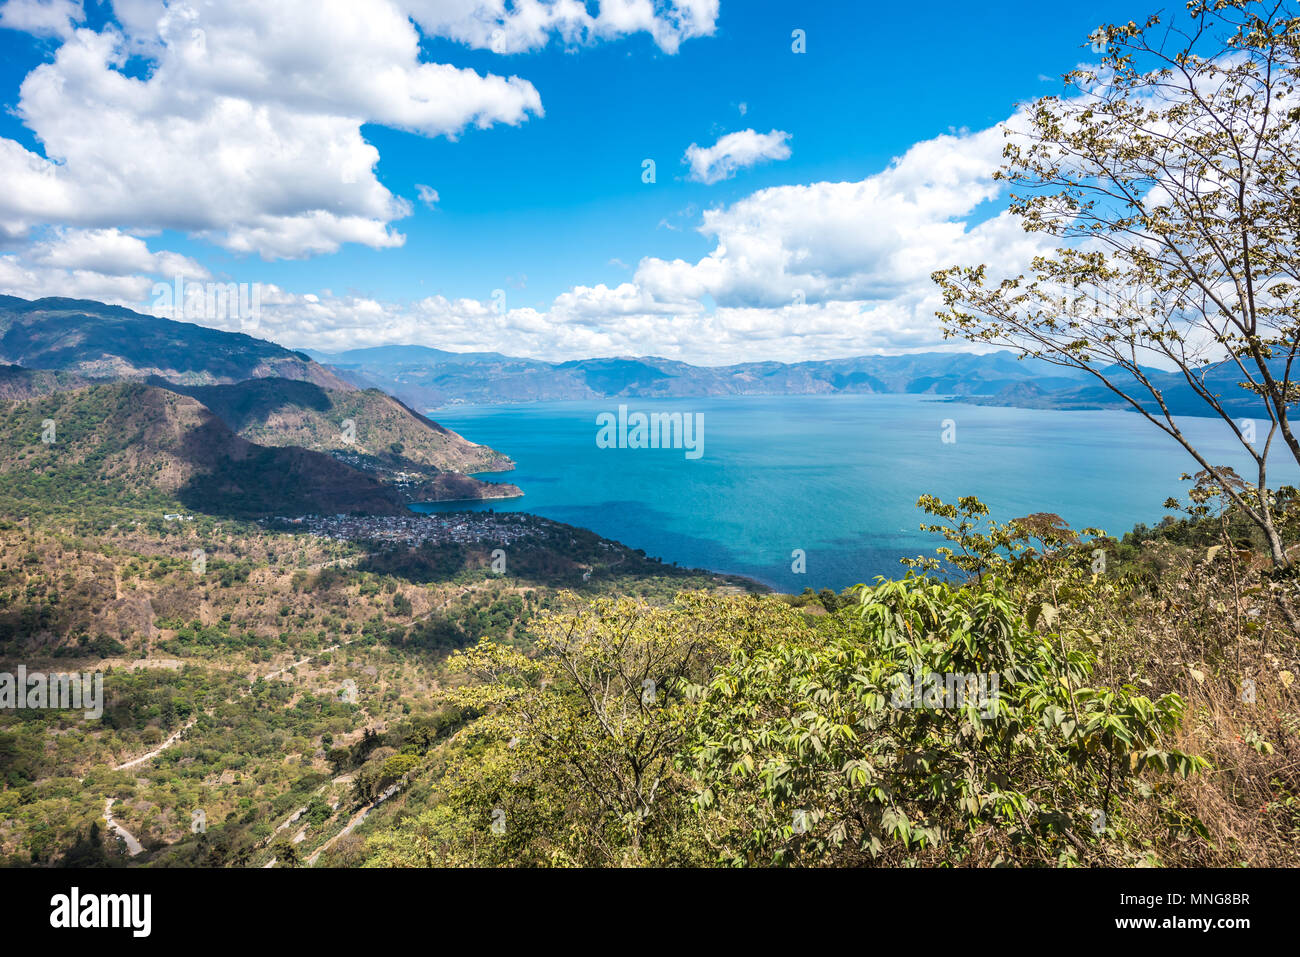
(131, 445)
(286, 412)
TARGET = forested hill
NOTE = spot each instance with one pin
(131, 445)
(288, 412)
(99, 341)
(266, 394)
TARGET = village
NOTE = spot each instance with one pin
(462, 528)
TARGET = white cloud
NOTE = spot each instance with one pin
(110, 252)
(870, 239)
(247, 132)
(600, 321)
(34, 281)
(104, 264)
(528, 24)
(428, 195)
(797, 272)
(233, 137)
(734, 152)
(245, 128)
(43, 18)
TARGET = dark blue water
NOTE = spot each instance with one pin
(836, 476)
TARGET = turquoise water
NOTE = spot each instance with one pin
(836, 476)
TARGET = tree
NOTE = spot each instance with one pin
(286, 853)
(604, 706)
(87, 851)
(941, 723)
(575, 758)
(1171, 175)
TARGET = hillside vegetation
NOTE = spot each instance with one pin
(286, 412)
(1143, 714)
(264, 393)
(19, 383)
(583, 704)
(293, 678)
(99, 341)
(131, 445)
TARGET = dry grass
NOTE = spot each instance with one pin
(1224, 647)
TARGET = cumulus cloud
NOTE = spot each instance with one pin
(809, 271)
(42, 18)
(523, 25)
(796, 272)
(110, 252)
(104, 264)
(33, 281)
(245, 130)
(734, 152)
(597, 321)
(870, 239)
(584, 321)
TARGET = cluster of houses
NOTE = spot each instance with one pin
(463, 528)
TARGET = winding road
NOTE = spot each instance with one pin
(353, 823)
(158, 750)
(133, 847)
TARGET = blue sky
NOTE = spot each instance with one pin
(534, 205)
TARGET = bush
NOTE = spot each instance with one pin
(823, 750)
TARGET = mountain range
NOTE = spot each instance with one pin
(430, 378)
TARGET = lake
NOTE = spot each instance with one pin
(836, 476)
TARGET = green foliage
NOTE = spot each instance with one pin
(577, 747)
(771, 737)
(813, 751)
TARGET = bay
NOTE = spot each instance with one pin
(834, 476)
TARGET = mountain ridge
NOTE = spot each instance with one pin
(425, 378)
(270, 396)
(132, 443)
(100, 341)
(429, 377)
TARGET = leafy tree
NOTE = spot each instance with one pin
(577, 752)
(817, 750)
(1171, 175)
(286, 853)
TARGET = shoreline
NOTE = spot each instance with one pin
(451, 501)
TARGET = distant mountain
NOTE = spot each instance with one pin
(428, 378)
(1175, 391)
(98, 341)
(129, 444)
